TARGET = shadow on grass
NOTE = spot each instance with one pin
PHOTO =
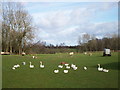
(105, 56)
(114, 66)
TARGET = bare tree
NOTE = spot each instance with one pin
(85, 38)
(80, 40)
(16, 27)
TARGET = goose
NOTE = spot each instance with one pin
(33, 56)
(56, 71)
(66, 64)
(75, 68)
(60, 66)
(24, 63)
(18, 65)
(13, 68)
(65, 71)
(105, 70)
(41, 66)
(31, 66)
(72, 65)
(85, 68)
(71, 53)
(68, 67)
(99, 68)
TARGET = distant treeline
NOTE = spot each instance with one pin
(40, 48)
(91, 45)
(100, 44)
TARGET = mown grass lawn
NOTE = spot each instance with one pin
(24, 77)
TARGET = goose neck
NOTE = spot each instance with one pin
(40, 63)
(98, 65)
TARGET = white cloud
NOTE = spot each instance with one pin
(66, 25)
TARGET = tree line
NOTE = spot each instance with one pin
(41, 47)
(91, 43)
(86, 43)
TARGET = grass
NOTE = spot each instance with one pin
(24, 77)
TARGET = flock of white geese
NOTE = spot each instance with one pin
(66, 67)
(30, 65)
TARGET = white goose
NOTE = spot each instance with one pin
(65, 71)
(85, 68)
(72, 65)
(75, 68)
(99, 68)
(105, 70)
(66, 64)
(33, 56)
(24, 63)
(68, 67)
(18, 65)
(31, 66)
(41, 65)
(13, 68)
(56, 71)
(60, 66)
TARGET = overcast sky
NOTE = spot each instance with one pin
(59, 22)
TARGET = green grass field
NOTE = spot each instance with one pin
(24, 77)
